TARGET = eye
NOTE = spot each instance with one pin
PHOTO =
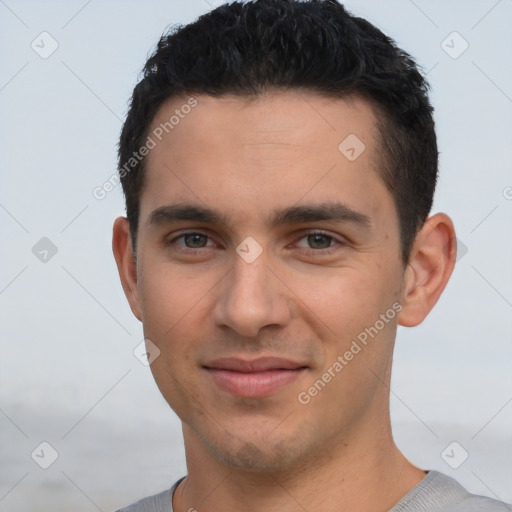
(318, 242)
(195, 240)
(191, 240)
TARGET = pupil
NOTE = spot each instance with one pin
(195, 240)
(316, 240)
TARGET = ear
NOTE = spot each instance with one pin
(126, 263)
(430, 266)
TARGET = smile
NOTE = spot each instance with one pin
(253, 379)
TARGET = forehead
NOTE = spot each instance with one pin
(289, 117)
(238, 152)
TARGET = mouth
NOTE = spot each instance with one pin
(254, 379)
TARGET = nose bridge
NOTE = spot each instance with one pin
(250, 298)
(250, 277)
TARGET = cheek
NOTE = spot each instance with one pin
(170, 297)
(345, 300)
(174, 315)
(174, 319)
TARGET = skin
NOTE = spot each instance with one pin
(198, 299)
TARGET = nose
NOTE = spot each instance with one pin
(251, 297)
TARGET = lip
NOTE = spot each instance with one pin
(255, 378)
(262, 364)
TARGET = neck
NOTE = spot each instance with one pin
(364, 472)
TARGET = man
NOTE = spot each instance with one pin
(279, 162)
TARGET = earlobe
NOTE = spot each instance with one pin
(430, 266)
(126, 263)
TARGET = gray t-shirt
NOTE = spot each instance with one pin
(435, 493)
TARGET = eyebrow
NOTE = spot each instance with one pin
(293, 215)
(322, 212)
(187, 212)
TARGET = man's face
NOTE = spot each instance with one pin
(251, 306)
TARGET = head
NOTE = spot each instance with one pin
(277, 228)
(247, 49)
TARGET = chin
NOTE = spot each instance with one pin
(257, 453)
(252, 457)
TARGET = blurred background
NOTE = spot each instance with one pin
(82, 424)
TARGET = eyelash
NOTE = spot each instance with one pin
(327, 251)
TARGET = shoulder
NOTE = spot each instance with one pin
(157, 503)
(464, 501)
(441, 493)
(161, 502)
